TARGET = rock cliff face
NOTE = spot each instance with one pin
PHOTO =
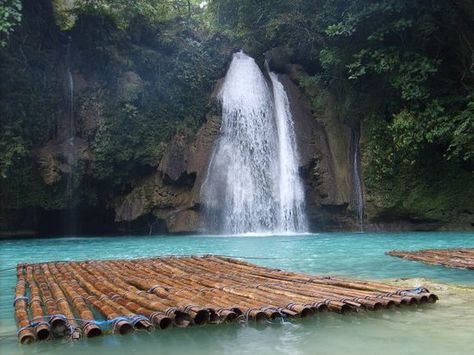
(172, 193)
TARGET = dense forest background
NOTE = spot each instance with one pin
(399, 72)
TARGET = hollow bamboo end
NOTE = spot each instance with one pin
(26, 337)
(306, 312)
(230, 317)
(237, 311)
(260, 316)
(432, 298)
(124, 328)
(345, 308)
(42, 331)
(203, 316)
(275, 315)
(58, 326)
(377, 306)
(214, 317)
(92, 330)
(181, 319)
(321, 308)
(165, 323)
(423, 299)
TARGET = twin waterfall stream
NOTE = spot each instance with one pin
(253, 184)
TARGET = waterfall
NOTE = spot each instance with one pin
(252, 180)
(291, 193)
(69, 147)
(357, 189)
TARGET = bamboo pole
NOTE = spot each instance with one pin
(120, 326)
(302, 310)
(130, 276)
(341, 295)
(57, 321)
(191, 289)
(134, 300)
(318, 302)
(244, 302)
(89, 327)
(376, 302)
(25, 334)
(200, 315)
(180, 316)
(168, 288)
(355, 284)
(139, 323)
(61, 302)
(41, 328)
(195, 294)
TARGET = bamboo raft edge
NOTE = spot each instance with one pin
(93, 297)
(460, 258)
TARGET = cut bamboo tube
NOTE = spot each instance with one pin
(121, 326)
(59, 326)
(42, 328)
(355, 284)
(61, 303)
(270, 312)
(139, 322)
(162, 307)
(319, 302)
(135, 302)
(25, 334)
(89, 327)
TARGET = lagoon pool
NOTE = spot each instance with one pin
(441, 328)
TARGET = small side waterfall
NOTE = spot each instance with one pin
(70, 96)
(357, 189)
(291, 192)
(69, 148)
(252, 183)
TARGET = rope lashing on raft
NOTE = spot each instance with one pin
(24, 298)
(103, 324)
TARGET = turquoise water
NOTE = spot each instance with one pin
(445, 327)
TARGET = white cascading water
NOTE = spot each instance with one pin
(291, 192)
(358, 193)
(252, 181)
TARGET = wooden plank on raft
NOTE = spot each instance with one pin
(94, 297)
(461, 258)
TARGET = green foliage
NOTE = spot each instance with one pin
(461, 132)
(173, 61)
(10, 16)
(12, 149)
(125, 12)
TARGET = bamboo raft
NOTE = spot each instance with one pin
(90, 298)
(462, 258)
